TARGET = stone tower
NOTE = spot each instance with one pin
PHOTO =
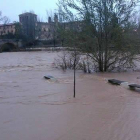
(28, 23)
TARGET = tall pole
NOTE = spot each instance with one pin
(74, 70)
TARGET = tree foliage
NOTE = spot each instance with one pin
(104, 30)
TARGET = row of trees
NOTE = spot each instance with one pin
(104, 30)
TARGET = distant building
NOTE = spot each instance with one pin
(7, 28)
(28, 25)
(47, 30)
(32, 29)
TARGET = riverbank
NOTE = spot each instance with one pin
(35, 48)
(44, 49)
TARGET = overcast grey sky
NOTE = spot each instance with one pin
(12, 8)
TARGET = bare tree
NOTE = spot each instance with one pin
(2, 18)
(4, 21)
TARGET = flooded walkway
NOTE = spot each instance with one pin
(32, 108)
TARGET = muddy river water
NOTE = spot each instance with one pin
(32, 108)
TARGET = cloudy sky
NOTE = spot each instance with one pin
(12, 8)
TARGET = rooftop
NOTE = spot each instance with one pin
(28, 13)
(9, 24)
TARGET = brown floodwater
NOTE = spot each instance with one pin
(32, 108)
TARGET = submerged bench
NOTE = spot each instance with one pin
(134, 86)
(115, 82)
(48, 77)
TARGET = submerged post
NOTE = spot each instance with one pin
(74, 79)
(74, 70)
